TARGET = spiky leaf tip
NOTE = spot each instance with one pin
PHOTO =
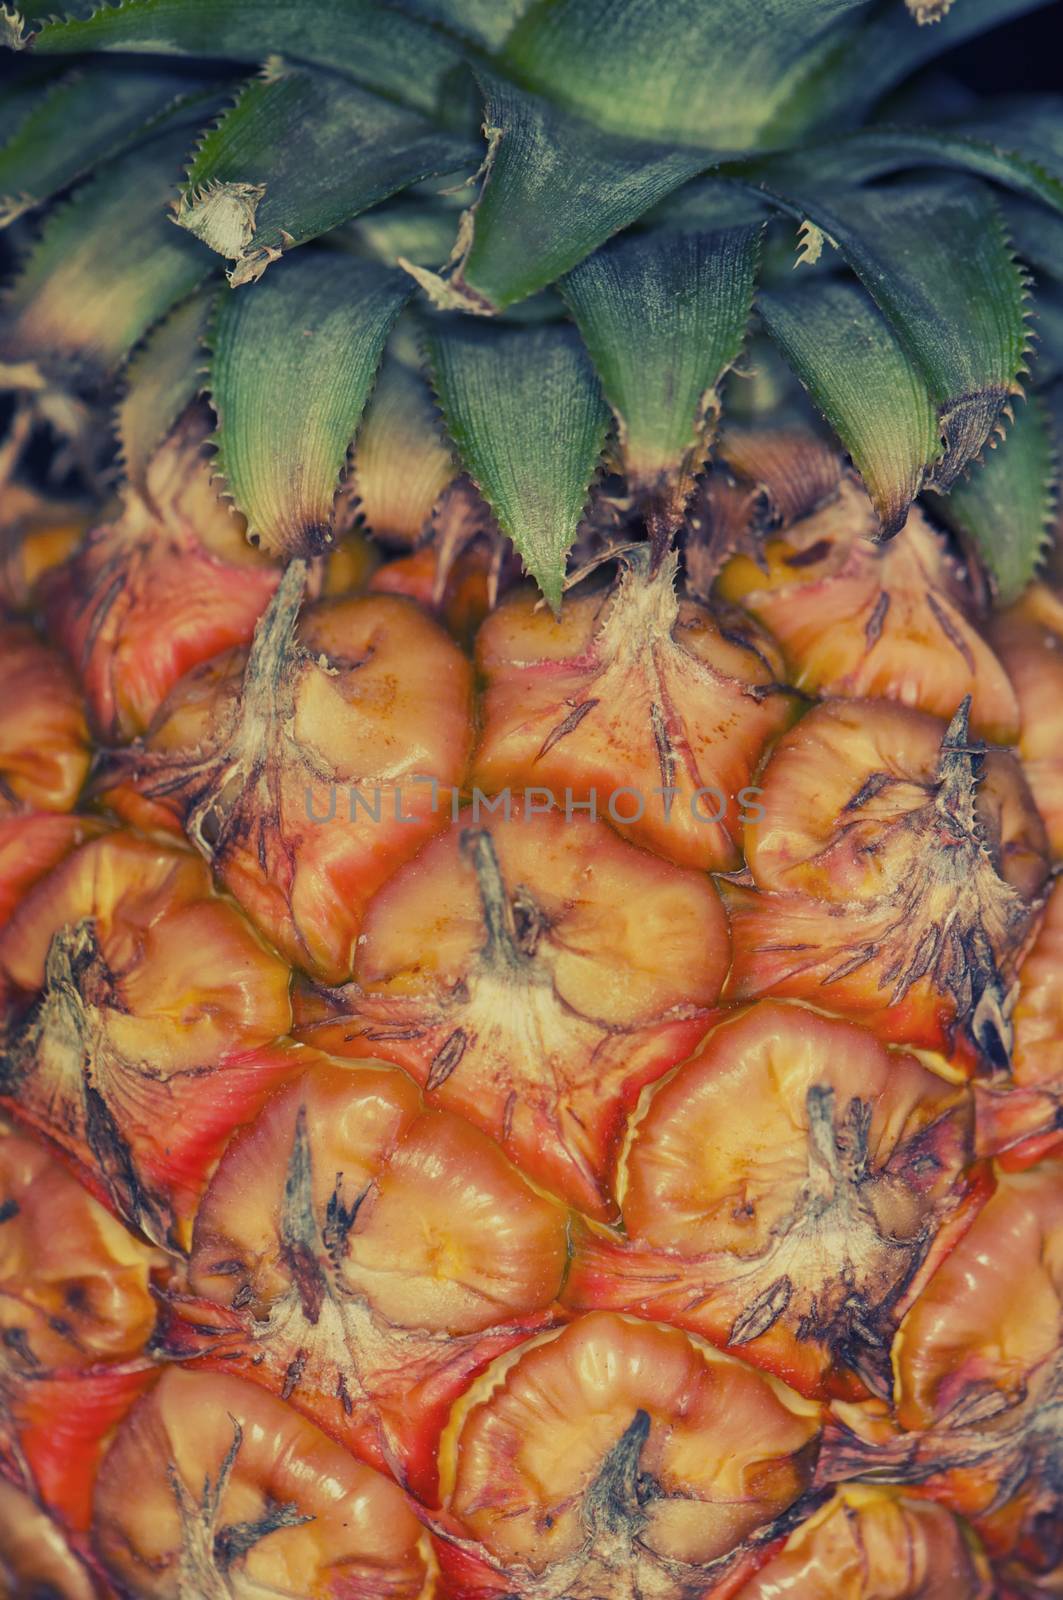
(526, 413)
(664, 315)
(552, 189)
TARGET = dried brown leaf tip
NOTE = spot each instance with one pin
(928, 10)
(223, 216)
(12, 25)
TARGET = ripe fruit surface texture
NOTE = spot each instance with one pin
(531, 802)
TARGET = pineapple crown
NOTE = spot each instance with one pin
(533, 242)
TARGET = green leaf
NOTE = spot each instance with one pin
(298, 154)
(402, 462)
(1003, 509)
(683, 71)
(91, 114)
(26, 82)
(712, 203)
(664, 315)
(935, 258)
(163, 376)
(291, 370)
(554, 189)
(487, 22)
(864, 382)
(1032, 124)
(849, 160)
(107, 266)
(525, 410)
(392, 54)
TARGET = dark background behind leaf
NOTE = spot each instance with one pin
(1024, 56)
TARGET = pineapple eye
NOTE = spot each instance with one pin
(358, 1250)
(168, 584)
(633, 688)
(309, 766)
(133, 979)
(859, 617)
(783, 1191)
(898, 867)
(532, 974)
(619, 1453)
(865, 1543)
(979, 1398)
(212, 1486)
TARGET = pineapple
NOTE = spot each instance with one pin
(530, 797)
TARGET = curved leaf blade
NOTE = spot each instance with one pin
(1003, 509)
(291, 369)
(91, 114)
(164, 375)
(935, 258)
(402, 462)
(865, 384)
(885, 50)
(297, 155)
(377, 46)
(554, 189)
(664, 315)
(677, 70)
(525, 410)
(107, 266)
(879, 151)
(27, 83)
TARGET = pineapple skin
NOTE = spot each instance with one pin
(510, 1205)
